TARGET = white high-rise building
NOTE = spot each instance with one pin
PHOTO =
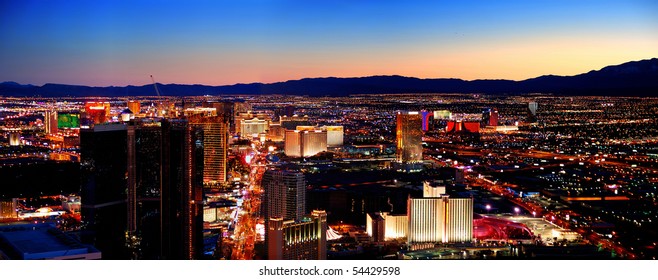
(443, 219)
(439, 218)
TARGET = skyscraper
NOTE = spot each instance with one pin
(215, 141)
(439, 218)
(50, 122)
(165, 164)
(142, 189)
(103, 166)
(409, 137)
(134, 106)
(285, 194)
(284, 204)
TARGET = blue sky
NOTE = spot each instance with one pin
(225, 42)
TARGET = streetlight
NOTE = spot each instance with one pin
(488, 207)
(516, 210)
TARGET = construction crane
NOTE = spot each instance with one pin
(160, 109)
(155, 86)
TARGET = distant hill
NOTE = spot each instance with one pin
(636, 78)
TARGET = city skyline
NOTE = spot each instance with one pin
(329, 130)
(121, 43)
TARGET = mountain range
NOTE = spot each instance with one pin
(635, 78)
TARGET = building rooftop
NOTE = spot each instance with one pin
(41, 241)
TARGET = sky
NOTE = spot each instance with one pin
(118, 43)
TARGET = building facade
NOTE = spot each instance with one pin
(103, 167)
(305, 239)
(383, 226)
(285, 194)
(165, 195)
(215, 143)
(409, 137)
(305, 143)
(440, 220)
(50, 122)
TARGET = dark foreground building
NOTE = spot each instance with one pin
(142, 189)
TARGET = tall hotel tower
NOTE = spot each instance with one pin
(290, 234)
(215, 142)
(439, 218)
(285, 194)
(409, 140)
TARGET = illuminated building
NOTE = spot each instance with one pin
(9, 209)
(442, 115)
(215, 142)
(103, 166)
(334, 135)
(134, 106)
(97, 112)
(490, 117)
(462, 126)
(409, 137)
(425, 115)
(285, 194)
(431, 189)
(165, 198)
(439, 218)
(42, 242)
(383, 226)
(276, 132)
(50, 122)
(305, 143)
(251, 127)
(127, 115)
(241, 117)
(68, 120)
(14, 137)
(305, 239)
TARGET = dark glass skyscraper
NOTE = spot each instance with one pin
(165, 169)
(142, 189)
(103, 153)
